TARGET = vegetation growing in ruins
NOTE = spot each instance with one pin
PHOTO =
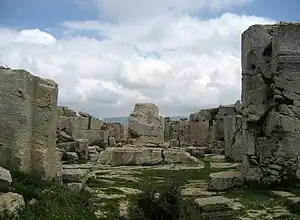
(53, 201)
(169, 205)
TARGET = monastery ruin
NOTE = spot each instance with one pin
(260, 132)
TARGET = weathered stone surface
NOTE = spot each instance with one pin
(111, 141)
(70, 157)
(28, 123)
(64, 137)
(5, 178)
(76, 175)
(65, 111)
(10, 205)
(145, 125)
(82, 148)
(67, 146)
(233, 138)
(270, 101)
(197, 151)
(225, 180)
(215, 207)
(143, 156)
(283, 194)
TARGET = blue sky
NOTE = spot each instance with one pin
(48, 13)
(107, 55)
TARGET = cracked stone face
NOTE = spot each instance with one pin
(270, 101)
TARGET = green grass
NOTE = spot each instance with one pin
(54, 202)
(252, 197)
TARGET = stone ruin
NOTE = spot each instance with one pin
(262, 130)
(215, 130)
(271, 102)
(145, 125)
(28, 122)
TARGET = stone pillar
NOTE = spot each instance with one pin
(145, 125)
(28, 122)
(270, 102)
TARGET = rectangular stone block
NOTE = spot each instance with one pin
(79, 123)
(286, 39)
(64, 122)
(96, 123)
(44, 124)
(28, 123)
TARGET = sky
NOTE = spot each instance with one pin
(107, 55)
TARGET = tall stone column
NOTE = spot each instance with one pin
(270, 102)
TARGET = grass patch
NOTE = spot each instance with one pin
(54, 202)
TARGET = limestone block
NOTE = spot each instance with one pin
(143, 156)
(82, 148)
(91, 135)
(145, 124)
(84, 114)
(28, 126)
(69, 112)
(70, 157)
(215, 207)
(197, 151)
(96, 124)
(63, 122)
(225, 180)
(179, 156)
(270, 99)
(76, 175)
(226, 111)
(64, 137)
(111, 141)
(79, 123)
(67, 146)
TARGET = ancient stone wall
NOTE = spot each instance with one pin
(270, 101)
(28, 122)
(216, 129)
(85, 126)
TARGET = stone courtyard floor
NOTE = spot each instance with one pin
(115, 186)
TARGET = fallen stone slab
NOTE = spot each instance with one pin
(283, 194)
(197, 192)
(225, 180)
(214, 158)
(118, 156)
(5, 178)
(197, 151)
(76, 175)
(224, 165)
(128, 191)
(70, 157)
(215, 207)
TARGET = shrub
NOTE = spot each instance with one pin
(54, 202)
(168, 206)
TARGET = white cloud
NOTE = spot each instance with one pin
(128, 10)
(179, 62)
